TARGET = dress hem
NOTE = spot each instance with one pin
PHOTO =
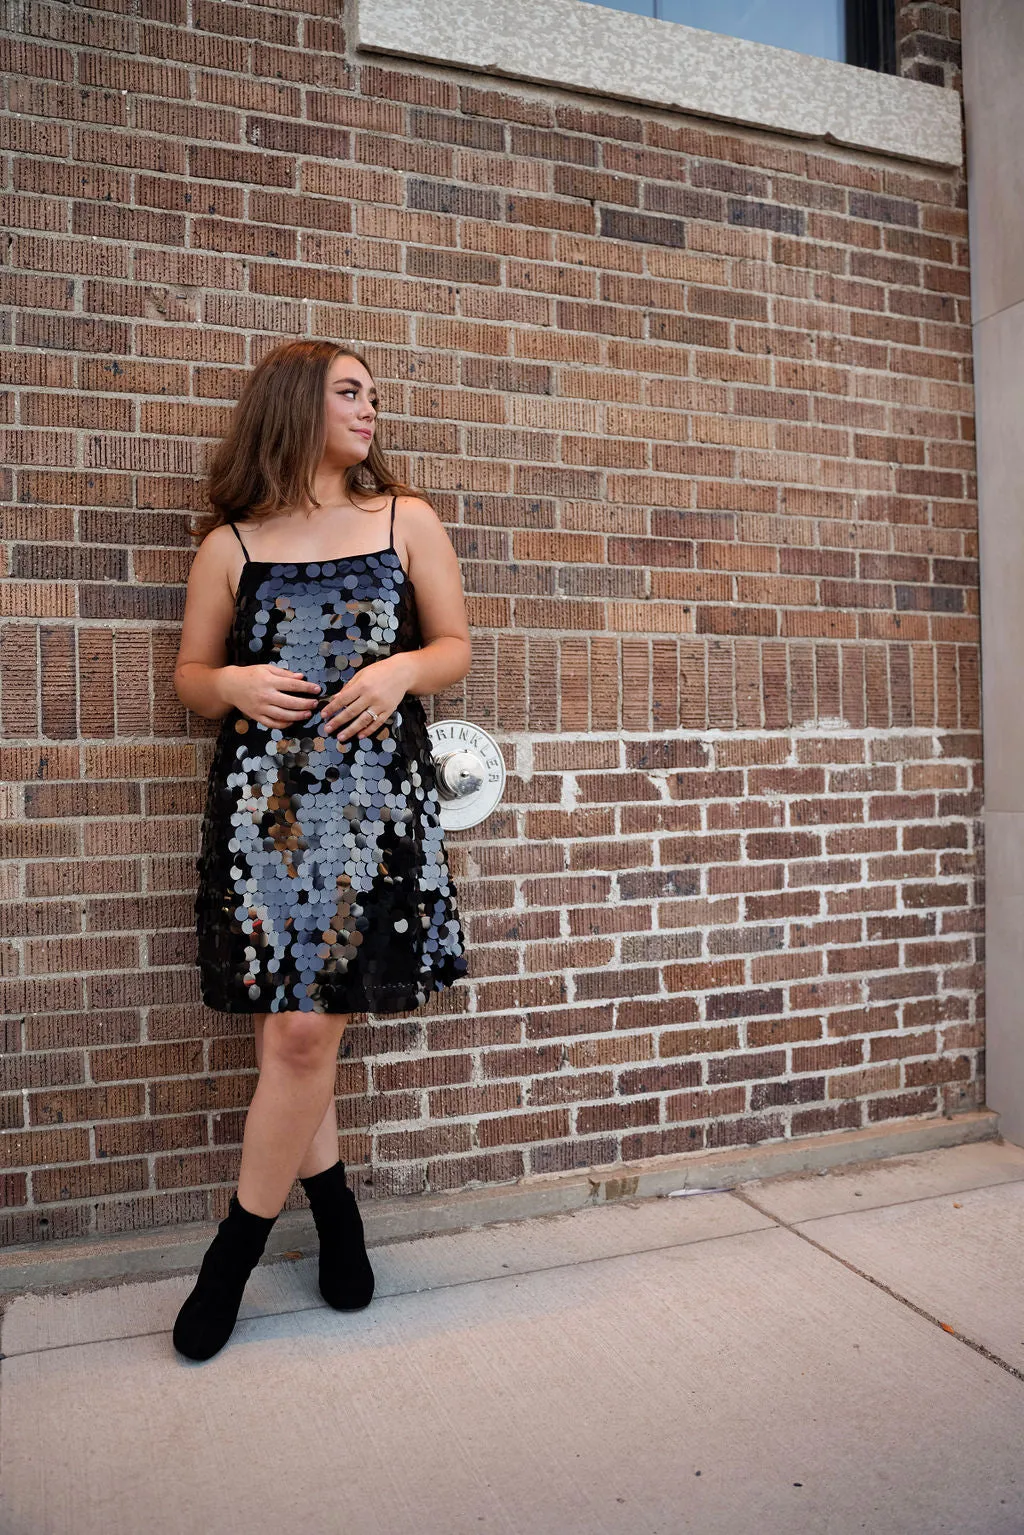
(404, 1006)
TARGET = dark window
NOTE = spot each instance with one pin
(871, 34)
(861, 32)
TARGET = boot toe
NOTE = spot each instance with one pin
(350, 1296)
(195, 1338)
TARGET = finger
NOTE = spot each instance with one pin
(302, 683)
(362, 725)
(286, 696)
(298, 687)
(345, 717)
(276, 721)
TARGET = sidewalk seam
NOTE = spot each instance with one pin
(979, 1348)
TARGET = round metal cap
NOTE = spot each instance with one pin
(470, 772)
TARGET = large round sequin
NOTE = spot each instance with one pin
(323, 877)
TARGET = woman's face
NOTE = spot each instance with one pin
(350, 412)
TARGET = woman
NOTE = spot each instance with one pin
(323, 883)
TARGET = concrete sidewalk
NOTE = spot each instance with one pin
(815, 1353)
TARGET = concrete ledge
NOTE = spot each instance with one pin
(665, 64)
(90, 1263)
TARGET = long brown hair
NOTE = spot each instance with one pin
(275, 440)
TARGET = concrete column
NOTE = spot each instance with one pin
(993, 43)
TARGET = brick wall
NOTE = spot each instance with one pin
(695, 404)
(928, 43)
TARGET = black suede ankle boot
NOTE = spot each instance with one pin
(207, 1319)
(346, 1278)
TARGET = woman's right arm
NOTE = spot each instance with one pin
(202, 678)
(271, 694)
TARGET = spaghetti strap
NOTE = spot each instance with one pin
(239, 537)
(391, 544)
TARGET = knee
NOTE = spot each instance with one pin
(302, 1041)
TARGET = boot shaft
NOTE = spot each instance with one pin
(241, 1238)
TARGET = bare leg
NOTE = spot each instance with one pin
(322, 1151)
(295, 1088)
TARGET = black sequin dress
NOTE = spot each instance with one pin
(323, 877)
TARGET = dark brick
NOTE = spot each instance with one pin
(618, 225)
(743, 1004)
(446, 197)
(754, 215)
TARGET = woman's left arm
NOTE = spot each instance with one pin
(433, 568)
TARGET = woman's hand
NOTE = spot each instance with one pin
(269, 694)
(380, 686)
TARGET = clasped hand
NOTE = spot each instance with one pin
(271, 695)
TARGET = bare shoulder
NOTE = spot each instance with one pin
(217, 560)
(216, 548)
(419, 523)
(416, 509)
(220, 537)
